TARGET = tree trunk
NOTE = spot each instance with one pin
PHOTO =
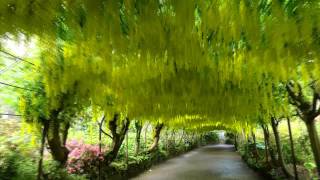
(145, 137)
(100, 145)
(116, 144)
(138, 126)
(292, 150)
(65, 133)
(308, 111)
(58, 151)
(314, 141)
(156, 137)
(167, 140)
(43, 141)
(117, 137)
(255, 146)
(269, 146)
(235, 142)
(266, 143)
(127, 149)
(274, 124)
(266, 150)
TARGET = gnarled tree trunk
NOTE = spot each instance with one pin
(274, 124)
(292, 150)
(64, 133)
(138, 126)
(256, 155)
(268, 147)
(56, 139)
(43, 141)
(235, 142)
(117, 137)
(314, 141)
(308, 112)
(156, 137)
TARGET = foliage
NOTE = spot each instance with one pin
(90, 63)
(203, 65)
(303, 153)
(83, 157)
(54, 171)
(211, 137)
(17, 155)
(15, 165)
(230, 138)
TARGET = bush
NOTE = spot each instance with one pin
(83, 158)
(229, 138)
(211, 137)
(54, 171)
(15, 164)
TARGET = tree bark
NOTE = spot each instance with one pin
(266, 150)
(138, 126)
(269, 146)
(127, 149)
(266, 143)
(58, 150)
(100, 144)
(145, 136)
(292, 150)
(65, 133)
(156, 137)
(274, 124)
(167, 140)
(314, 141)
(235, 142)
(43, 141)
(255, 146)
(308, 111)
(55, 137)
(117, 137)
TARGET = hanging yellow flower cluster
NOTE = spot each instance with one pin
(189, 63)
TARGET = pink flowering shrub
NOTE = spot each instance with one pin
(83, 158)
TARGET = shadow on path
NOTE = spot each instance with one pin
(209, 162)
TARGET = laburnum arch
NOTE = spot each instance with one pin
(189, 64)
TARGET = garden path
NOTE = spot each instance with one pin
(212, 162)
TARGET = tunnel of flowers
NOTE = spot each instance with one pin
(104, 89)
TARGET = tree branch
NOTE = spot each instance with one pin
(105, 133)
(291, 93)
(100, 126)
(297, 100)
(314, 101)
(299, 114)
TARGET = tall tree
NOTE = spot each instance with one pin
(118, 130)
(274, 125)
(138, 126)
(156, 137)
(308, 112)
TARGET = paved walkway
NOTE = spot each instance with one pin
(209, 162)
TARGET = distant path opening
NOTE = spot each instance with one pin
(209, 162)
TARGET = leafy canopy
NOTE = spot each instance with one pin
(211, 63)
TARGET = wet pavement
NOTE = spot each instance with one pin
(209, 162)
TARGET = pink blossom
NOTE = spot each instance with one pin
(83, 156)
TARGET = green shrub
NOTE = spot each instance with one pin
(53, 171)
(229, 138)
(211, 137)
(15, 164)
